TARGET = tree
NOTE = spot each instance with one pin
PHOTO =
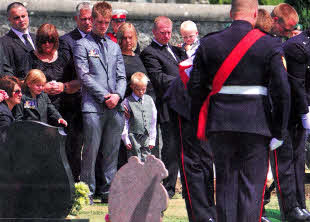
(303, 9)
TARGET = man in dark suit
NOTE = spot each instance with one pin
(71, 103)
(239, 126)
(100, 67)
(18, 41)
(5, 68)
(161, 62)
(181, 150)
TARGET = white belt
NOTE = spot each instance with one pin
(244, 90)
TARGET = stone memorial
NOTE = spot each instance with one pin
(136, 193)
(36, 180)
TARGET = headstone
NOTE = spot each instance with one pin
(36, 181)
(136, 193)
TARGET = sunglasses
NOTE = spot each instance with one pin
(49, 40)
(17, 92)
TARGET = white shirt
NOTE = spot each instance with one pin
(83, 34)
(168, 48)
(152, 136)
(20, 36)
(193, 47)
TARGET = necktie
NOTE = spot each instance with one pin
(140, 100)
(103, 50)
(27, 43)
(166, 48)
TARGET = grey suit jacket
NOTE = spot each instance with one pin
(98, 78)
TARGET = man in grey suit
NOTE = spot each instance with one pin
(100, 67)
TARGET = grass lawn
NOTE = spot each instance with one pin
(176, 211)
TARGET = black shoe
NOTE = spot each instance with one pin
(307, 213)
(265, 219)
(296, 215)
(104, 200)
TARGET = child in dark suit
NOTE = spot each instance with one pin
(139, 134)
(36, 104)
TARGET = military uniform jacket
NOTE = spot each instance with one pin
(261, 66)
(297, 54)
(39, 109)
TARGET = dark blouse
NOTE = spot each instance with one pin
(134, 64)
(39, 109)
(53, 71)
(6, 118)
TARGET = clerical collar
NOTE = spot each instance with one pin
(97, 37)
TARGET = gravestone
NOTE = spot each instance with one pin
(36, 180)
(136, 193)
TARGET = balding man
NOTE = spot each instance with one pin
(234, 72)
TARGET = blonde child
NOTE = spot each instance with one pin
(139, 134)
(36, 104)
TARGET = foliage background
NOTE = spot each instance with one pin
(303, 9)
(261, 2)
(301, 6)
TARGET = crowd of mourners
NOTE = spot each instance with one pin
(117, 100)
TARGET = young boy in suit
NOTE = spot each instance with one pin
(139, 134)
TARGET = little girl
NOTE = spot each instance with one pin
(35, 104)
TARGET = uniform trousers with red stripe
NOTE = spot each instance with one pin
(196, 168)
(288, 169)
(241, 165)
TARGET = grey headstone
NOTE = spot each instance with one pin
(136, 192)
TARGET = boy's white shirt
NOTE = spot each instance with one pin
(152, 136)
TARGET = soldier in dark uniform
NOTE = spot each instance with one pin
(297, 54)
(283, 160)
(239, 124)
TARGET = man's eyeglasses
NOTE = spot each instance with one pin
(119, 20)
(17, 92)
(282, 24)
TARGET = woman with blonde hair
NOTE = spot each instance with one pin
(127, 39)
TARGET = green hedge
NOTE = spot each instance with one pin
(270, 2)
(261, 2)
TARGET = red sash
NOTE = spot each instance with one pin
(223, 73)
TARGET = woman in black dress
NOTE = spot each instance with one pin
(127, 40)
(52, 63)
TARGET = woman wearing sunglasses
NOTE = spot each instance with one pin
(52, 62)
(11, 85)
